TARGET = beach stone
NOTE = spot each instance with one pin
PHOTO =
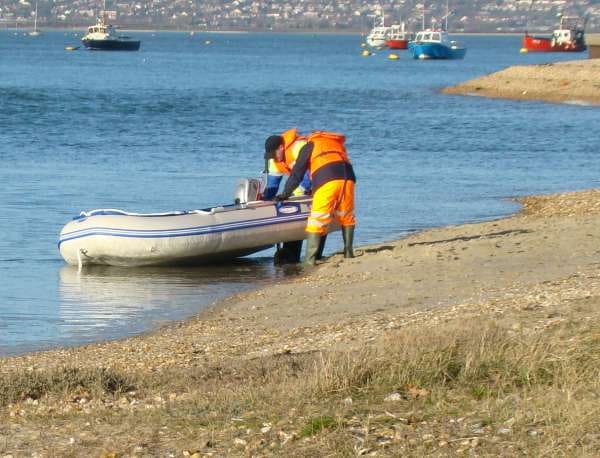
(192, 453)
(240, 442)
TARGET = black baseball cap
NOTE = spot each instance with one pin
(271, 144)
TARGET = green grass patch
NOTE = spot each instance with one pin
(480, 392)
(317, 424)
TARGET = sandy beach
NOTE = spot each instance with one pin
(210, 386)
(566, 82)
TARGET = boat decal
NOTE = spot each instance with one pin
(288, 209)
(184, 232)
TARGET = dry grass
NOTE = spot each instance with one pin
(33, 385)
(462, 386)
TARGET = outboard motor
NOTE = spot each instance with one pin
(248, 190)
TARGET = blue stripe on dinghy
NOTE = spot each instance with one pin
(115, 212)
(162, 233)
(211, 228)
(102, 212)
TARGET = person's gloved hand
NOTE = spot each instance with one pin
(281, 197)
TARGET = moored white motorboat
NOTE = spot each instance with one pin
(378, 34)
(115, 237)
(104, 37)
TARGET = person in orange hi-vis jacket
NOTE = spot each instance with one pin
(281, 152)
(333, 181)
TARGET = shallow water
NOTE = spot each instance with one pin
(175, 125)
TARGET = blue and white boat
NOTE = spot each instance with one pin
(118, 238)
(435, 44)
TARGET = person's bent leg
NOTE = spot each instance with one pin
(318, 220)
(313, 240)
(344, 213)
(321, 247)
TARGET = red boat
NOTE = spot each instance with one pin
(569, 37)
(397, 37)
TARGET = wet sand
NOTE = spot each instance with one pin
(575, 82)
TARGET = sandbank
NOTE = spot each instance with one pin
(576, 82)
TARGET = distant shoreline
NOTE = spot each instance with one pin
(25, 27)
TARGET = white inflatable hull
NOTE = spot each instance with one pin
(113, 237)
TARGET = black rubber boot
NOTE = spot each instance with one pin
(312, 249)
(321, 247)
(348, 236)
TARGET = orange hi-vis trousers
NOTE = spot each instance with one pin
(334, 199)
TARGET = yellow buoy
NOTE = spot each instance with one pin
(393, 56)
(523, 50)
(366, 53)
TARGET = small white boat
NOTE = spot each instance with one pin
(377, 37)
(35, 32)
(115, 237)
(378, 34)
(104, 37)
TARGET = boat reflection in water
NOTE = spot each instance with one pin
(106, 302)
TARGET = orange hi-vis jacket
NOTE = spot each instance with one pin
(292, 143)
(328, 147)
(325, 158)
(328, 159)
(333, 180)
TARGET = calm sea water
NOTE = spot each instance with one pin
(175, 125)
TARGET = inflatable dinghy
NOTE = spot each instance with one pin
(118, 238)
